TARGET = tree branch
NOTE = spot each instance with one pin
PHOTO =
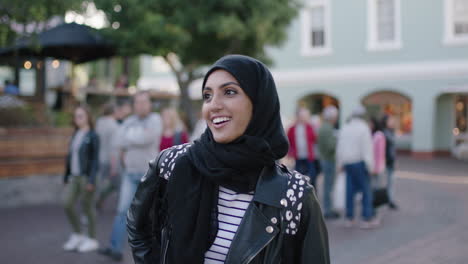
(177, 73)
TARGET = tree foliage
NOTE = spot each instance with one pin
(29, 16)
(198, 32)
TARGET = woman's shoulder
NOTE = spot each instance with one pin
(92, 134)
(296, 180)
(168, 157)
(299, 196)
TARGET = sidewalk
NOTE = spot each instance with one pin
(430, 227)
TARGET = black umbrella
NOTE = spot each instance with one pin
(73, 42)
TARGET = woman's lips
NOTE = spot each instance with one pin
(219, 122)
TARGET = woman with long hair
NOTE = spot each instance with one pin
(80, 177)
(225, 198)
(173, 129)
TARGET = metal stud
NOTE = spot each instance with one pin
(269, 229)
(274, 220)
(283, 202)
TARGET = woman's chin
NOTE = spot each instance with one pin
(224, 139)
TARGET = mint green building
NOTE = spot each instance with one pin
(407, 58)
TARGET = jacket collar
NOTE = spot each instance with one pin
(271, 186)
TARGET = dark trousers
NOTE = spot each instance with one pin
(307, 167)
(358, 180)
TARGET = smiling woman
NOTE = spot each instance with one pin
(225, 198)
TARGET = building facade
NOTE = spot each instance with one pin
(405, 58)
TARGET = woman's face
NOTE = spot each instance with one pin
(168, 118)
(80, 118)
(226, 107)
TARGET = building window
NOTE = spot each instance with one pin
(384, 24)
(315, 21)
(456, 21)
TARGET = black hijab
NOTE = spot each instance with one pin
(193, 189)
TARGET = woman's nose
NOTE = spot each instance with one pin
(216, 103)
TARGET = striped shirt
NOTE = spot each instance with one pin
(231, 210)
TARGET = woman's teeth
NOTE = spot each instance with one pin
(219, 120)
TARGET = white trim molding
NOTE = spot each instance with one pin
(372, 35)
(373, 72)
(305, 20)
(449, 36)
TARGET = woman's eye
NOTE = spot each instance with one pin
(206, 96)
(230, 92)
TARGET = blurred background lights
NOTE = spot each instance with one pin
(27, 65)
(55, 64)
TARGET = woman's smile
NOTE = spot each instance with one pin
(220, 121)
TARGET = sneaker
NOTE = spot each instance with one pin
(116, 256)
(105, 251)
(89, 244)
(73, 242)
(393, 206)
(370, 224)
(332, 215)
(349, 223)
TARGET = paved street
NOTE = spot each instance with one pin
(430, 227)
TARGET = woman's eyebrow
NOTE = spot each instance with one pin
(228, 83)
(221, 86)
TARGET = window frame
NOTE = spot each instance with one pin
(306, 40)
(372, 43)
(450, 38)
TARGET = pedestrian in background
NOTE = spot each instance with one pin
(388, 123)
(355, 156)
(174, 132)
(224, 199)
(138, 141)
(302, 139)
(106, 128)
(327, 148)
(124, 110)
(10, 88)
(378, 142)
(80, 179)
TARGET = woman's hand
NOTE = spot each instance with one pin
(90, 187)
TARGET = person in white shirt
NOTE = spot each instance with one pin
(355, 155)
(137, 141)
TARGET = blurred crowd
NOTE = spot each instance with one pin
(358, 158)
(112, 154)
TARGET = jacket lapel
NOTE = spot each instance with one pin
(259, 224)
(255, 233)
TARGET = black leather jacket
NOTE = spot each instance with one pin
(267, 234)
(88, 157)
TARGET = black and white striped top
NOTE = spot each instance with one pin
(231, 210)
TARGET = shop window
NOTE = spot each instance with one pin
(391, 103)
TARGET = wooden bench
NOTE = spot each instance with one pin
(33, 151)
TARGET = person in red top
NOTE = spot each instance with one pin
(302, 138)
(173, 131)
